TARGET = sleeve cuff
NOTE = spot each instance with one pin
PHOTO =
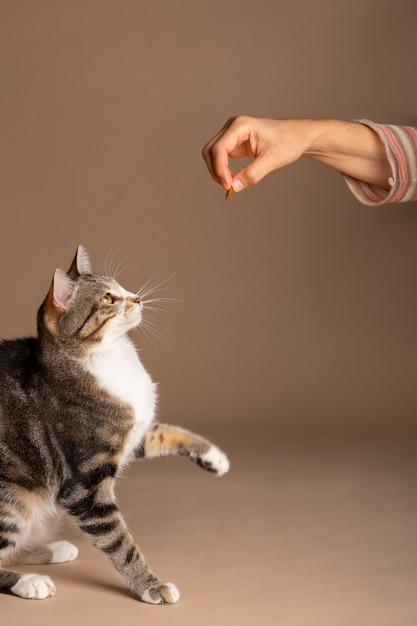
(401, 148)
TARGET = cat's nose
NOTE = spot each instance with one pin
(134, 299)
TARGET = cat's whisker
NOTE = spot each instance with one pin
(150, 331)
(145, 286)
(110, 262)
(148, 288)
(152, 321)
(157, 329)
(156, 310)
(153, 305)
(121, 268)
(148, 306)
(151, 290)
(161, 300)
(106, 261)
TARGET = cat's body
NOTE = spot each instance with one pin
(76, 405)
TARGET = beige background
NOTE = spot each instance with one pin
(297, 312)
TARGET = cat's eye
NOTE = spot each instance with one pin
(108, 299)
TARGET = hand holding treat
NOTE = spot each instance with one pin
(356, 149)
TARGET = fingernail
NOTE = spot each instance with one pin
(237, 185)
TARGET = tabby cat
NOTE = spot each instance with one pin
(76, 405)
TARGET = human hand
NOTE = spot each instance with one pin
(352, 148)
(270, 143)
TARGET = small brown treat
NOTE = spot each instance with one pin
(229, 193)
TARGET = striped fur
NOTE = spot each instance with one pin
(76, 405)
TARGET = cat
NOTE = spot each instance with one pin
(76, 405)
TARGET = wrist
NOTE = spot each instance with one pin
(326, 136)
(307, 133)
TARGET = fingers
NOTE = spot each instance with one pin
(252, 174)
(216, 155)
(240, 137)
(217, 161)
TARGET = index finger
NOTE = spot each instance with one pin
(225, 144)
(217, 160)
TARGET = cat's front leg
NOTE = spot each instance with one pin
(98, 516)
(164, 439)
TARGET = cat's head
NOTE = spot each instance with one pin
(85, 311)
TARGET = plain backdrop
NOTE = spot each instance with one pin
(297, 303)
(295, 306)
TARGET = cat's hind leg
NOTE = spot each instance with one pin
(54, 552)
(19, 512)
(164, 439)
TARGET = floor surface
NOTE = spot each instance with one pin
(306, 530)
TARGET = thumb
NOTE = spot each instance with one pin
(252, 174)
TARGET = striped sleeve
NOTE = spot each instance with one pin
(401, 147)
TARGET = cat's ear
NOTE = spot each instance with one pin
(61, 291)
(80, 265)
(57, 300)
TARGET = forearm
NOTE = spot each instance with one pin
(379, 161)
(351, 148)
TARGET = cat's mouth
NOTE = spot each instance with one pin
(133, 315)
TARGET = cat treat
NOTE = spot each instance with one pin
(77, 405)
(229, 193)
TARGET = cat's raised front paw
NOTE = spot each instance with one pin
(34, 587)
(161, 593)
(215, 461)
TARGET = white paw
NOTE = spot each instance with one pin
(62, 551)
(215, 461)
(33, 586)
(161, 593)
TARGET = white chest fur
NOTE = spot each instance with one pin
(119, 371)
